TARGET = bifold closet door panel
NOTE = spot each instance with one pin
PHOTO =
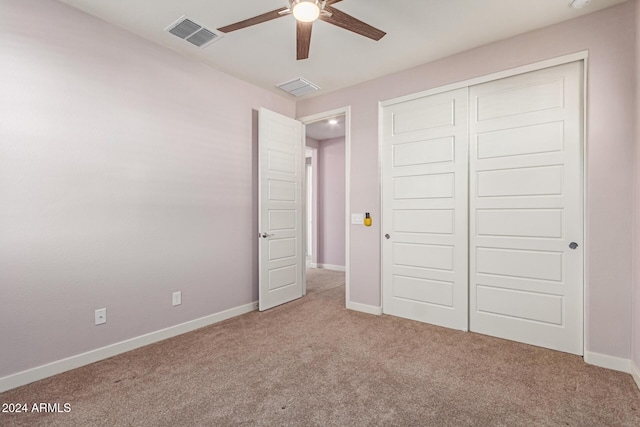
(526, 215)
(425, 212)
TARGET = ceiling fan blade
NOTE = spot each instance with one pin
(348, 22)
(330, 2)
(255, 20)
(303, 37)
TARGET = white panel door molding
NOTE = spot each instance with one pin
(424, 192)
(526, 208)
(482, 202)
(281, 221)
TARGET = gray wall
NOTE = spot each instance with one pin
(609, 35)
(331, 202)
(127, 172)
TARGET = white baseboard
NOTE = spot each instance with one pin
(331, 267)
(369, 309)
(635, 373)
(73, 362)
(609, 362)
(312, 265)
(614, 363)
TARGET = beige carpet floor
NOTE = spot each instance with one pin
(312, 362)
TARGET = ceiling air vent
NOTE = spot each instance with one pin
(194, 33)
(298, 87)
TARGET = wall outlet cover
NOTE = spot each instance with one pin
(176, 298)
(101, 316)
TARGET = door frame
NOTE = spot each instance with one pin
(560, 60)
(313, 231)
(346, 111)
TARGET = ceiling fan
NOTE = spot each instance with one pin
(306, 12)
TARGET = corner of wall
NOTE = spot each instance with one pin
(635, 373)
(364, 308)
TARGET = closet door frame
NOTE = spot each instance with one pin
(574, 57)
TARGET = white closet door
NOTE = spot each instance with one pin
(424, 193)
(526, 208)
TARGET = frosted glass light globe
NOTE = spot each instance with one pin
(306, 10)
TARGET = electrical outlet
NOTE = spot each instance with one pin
(177, 298)
(101, 316)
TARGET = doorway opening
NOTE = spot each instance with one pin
(327, 149)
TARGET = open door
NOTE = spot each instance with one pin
(281, 209)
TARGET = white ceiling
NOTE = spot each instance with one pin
(322, 129)
(418, 31)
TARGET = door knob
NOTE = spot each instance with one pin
(265, 235)
(573, 245)
(387, 236)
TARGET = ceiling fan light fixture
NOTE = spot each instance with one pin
(306, 10)
(579, 4)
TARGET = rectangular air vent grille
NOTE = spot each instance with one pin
(202, 37)
(298, 87)
(194, 33)
(185, 28)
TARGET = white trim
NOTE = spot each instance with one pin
(380, 207)
(73, 362)
(313, 265)
(585, 237)
(635, 373)
(609, 362)
(331, 267)
(573, 57)
(364, 308)
(314, 205)
(347, 203)
(347, 185)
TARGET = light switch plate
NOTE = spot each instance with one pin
(176, 298)
(357, 219)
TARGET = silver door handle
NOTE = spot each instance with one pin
(573, 245)
(387, 236)
(265, 235)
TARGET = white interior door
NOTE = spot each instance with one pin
(281, 209)
(309, 234)
(526, 208)
(424, 193)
